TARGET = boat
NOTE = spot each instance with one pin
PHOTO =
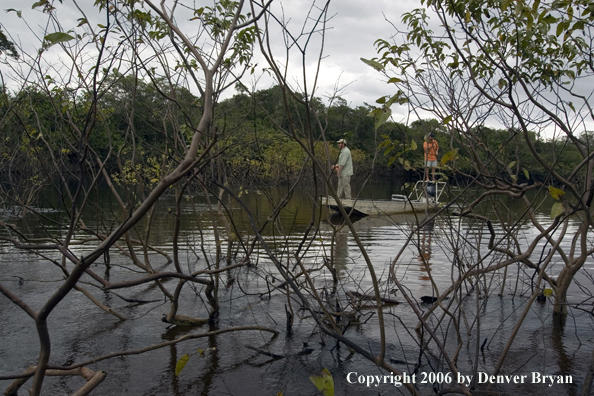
(424, 197)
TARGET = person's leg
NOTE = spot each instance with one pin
(340, 187)
(433, 170)
(347, 187)
(426, 172)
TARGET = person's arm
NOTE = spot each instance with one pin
(341, 163)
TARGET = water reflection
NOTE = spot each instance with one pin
(339, 258)
(229, 368)
(564, 360)
(425, 234)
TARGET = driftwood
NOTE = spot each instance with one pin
(275, 356)
(355, 295)
(181, 320)
(93, 379)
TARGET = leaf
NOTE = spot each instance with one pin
(526, 173)
(413, 145)
(38, 4)
(579, 25)
(324, 382)
(449, 156)
(394, 80)
(447, 119)
(511, 164)
(382, 118)
(567, 35)
(18, 12)
(181, 363)
(557, 210)
(376, 65)
(549, 19)
(547, 292)
(57, 37)
(556, 193)
(530, 21)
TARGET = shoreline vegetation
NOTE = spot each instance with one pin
(256, 151)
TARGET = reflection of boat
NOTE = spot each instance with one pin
(424, 197)
(408, 220)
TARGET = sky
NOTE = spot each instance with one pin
(352, 30)
(353, 27)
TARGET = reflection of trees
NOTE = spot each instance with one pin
(564, 360)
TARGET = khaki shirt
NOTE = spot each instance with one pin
(346, 160)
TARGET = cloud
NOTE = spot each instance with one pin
(351, 30)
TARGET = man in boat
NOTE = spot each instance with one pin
(344, 170)
(431, 148)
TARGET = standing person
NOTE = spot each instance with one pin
(431, 148)
(344, 170)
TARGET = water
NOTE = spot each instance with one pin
(247, 296)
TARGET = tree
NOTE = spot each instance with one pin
(7, 46)
(127, 125)
(525, 66)
(128, 49)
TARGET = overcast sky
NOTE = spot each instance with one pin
(352, 30)
(354, 27)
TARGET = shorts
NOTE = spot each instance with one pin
(431, 164)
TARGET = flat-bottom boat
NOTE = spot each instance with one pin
(424, 197)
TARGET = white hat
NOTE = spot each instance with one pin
(342, 141)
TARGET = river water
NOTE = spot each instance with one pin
(223, 365)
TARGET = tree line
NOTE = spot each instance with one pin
(251, 127)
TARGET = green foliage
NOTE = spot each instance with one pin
(556, 193)
(7, 46)
(324, 382)
(383, 113)
(149, 172)
(491, 51)
(181, 363)
(257, 150)
(557, 210)
(449, 156)
(56, 38)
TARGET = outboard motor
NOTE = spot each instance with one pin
(432, 190)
